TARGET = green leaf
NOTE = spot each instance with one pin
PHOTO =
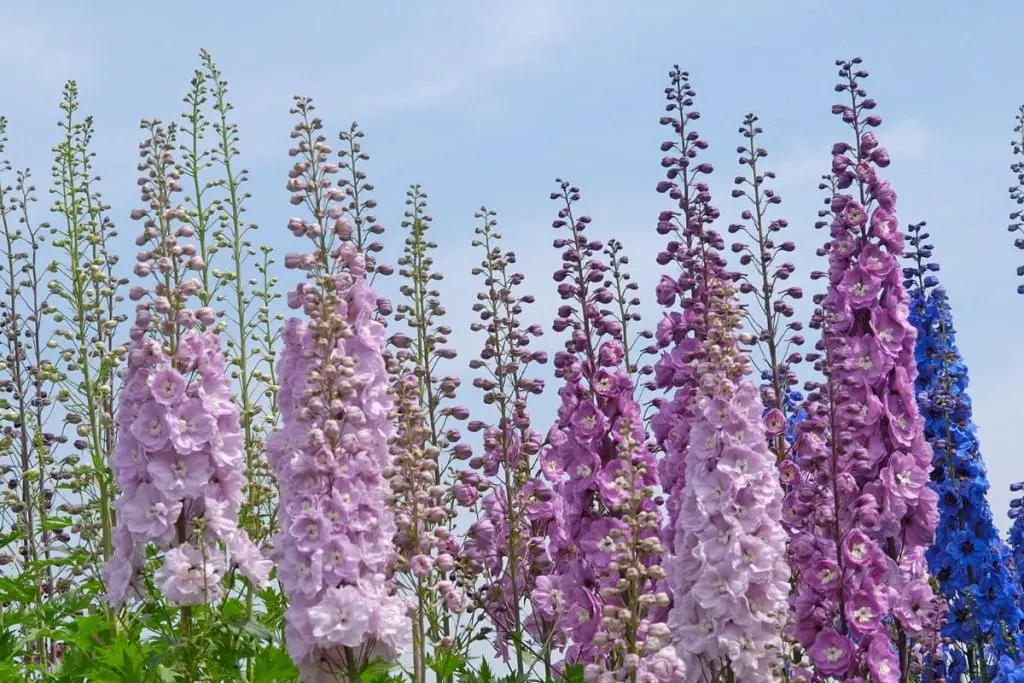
(445, 663)
(166, 675)
(257, 630)
(377, 671)
(273, 665)
(574, 674)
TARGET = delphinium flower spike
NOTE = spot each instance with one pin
(624, 301)
(1016, 536)
(427, 444)
(359, 204)
(861, 512)
(335, 541)
(178, 459)
(726, 570)
(968, 558)
(679, 332)
(605, 544)
(773, 336)
(29, 446)
(91, 292)
(1017, 191)
(242, 289)
(504, 558)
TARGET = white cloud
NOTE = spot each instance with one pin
(42, 53)
(457, 60)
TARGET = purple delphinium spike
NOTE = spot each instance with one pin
(335, 540)
(604, 542)
(726, 570)
(427, 442)
(504, 557)
(178, 459)
(861, 512)
(1017, 191)
(679, 332)
(621, 296)
(772, 335)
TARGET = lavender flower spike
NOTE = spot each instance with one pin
(335, 543)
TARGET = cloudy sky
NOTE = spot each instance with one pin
(488, 102)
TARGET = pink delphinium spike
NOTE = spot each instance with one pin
(679, 332)
(504, 557)
(862, 516)
(727, 568)
(178, 459)
(334, 544)
(605, 538)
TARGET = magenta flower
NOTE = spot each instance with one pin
(831, 652)
(603, 526)
(179, 476)
(188, 577)
(342, 617)
(859, 508)
(775, 422)
(174, 458)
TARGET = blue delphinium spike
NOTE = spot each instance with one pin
(970, 561)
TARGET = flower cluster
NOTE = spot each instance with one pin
(504, 549)
(605, 542)
(178, 460)
(679, 333)
(968, 558)
(334, 546)
(727, 573)
(427, 442)
(861, 509)
(767, 287)
(723, 491)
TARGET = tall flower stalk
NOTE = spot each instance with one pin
(336, 527)
(28, 446)
(1016, 535)
(605, 544)
(773, 336)
(863, 513)
(504, 553)
(427, 447)
(726, 569)
(971, 563)
(178, 459)
(86, 283)
(679, 333)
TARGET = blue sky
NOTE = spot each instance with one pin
(488, 102)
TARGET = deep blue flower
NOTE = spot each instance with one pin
(969, 560)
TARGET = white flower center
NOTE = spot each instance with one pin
(863, 615)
